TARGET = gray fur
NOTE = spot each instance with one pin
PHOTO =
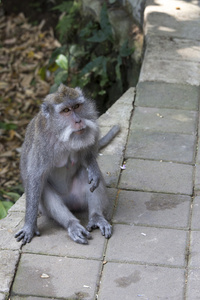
(59, 169)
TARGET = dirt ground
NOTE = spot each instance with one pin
(26, 46)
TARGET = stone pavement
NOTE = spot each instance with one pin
(154, 252)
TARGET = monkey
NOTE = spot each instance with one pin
(58, 165)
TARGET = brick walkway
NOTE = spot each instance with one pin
(154, 252)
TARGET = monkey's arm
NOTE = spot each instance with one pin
(33, 188)
(94, 173)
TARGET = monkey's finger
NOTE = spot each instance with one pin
(106, 231)
(92, 189)
(80, 239)
(19, 235)
(91, 226)
(90, 180)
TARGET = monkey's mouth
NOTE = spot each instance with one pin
(80, 131)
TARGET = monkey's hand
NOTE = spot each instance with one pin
(78, 233)
(94, 178)
(26, 234)
(100, 222)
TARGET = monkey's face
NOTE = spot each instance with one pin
(79, 128)
(71, 119)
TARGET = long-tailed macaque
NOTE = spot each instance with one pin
(59, 169)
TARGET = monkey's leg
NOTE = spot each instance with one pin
(98, 203)
(53, 205)
(33, 191)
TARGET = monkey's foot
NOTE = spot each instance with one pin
(26, 234)
(97, 221)
(78, 233)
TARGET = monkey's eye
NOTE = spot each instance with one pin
(66, 110)
(76, 106)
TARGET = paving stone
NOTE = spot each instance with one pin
(120, 113)
(194, 261)
(9, 260)
(161, 146)
(147, 245)
(117, 145)
(198, 150)
(164, 120)
(173, 49)
(193, 283)
(12, 220)
(30, 298)
(196, 214)
(2, 296)
(123, 281)
(154, 176)
(110, 167)
(8, 227)
(68, 278)
(153, 209)
(197, 178)
(8, 241)
(163, 19)
(54, 240)
(167, 95)
(183, 72)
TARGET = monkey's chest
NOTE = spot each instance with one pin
(67, 160)
(64, 178)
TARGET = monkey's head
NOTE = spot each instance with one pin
(71, 117)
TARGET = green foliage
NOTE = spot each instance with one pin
(90, 54)
(7, 199)
(8, 126)
(105, 31)
(62, 62)
(70, 10)
(4, 207)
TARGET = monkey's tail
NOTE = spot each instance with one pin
(104, 141)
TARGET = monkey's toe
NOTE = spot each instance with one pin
(78, 233)
(101, 223)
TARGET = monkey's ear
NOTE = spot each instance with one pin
(62, 88)
(79, 90)
(46, 109)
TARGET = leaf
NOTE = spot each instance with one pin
(87, 30)
(60, 50)
(98, 37)
(42, 73)
(7, 205)
(125, 51)
(105, 33)
(7, 126)
(64, 6)
(104, 22)
(61, 77)
(13, 196)
(62, 61)
(92, 65)
(64, 26)
(3, 212)
(102, 92)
